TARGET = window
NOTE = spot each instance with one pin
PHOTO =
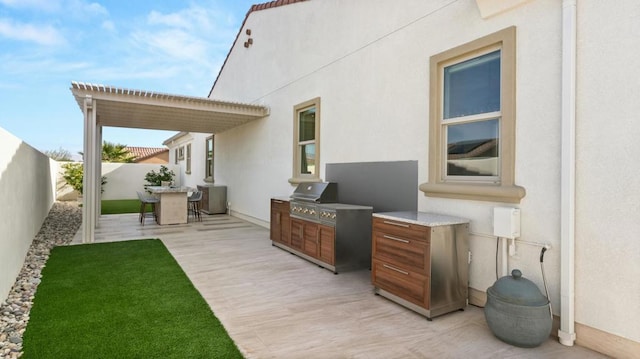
(209, 159)
(175, 156)
(181, 153)
(472, 121)
(306, 151)
(188, 167)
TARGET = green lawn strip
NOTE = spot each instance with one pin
(118, 206)
(121, 300)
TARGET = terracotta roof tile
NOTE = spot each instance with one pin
(256, 7)
(140, 153)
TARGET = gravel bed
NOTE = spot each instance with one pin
(58, 229)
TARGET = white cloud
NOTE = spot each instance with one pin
(191, 36)
(39, 34)
(43, 5)
(109, 25)
(75, 8)
(173, 43)
(81, 8)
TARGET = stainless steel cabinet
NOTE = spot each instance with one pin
(214, 199)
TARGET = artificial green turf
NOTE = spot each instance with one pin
(121, 300)
(118, 206)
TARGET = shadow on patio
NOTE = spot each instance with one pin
(277, 305)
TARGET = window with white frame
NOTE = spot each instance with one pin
(209, 159)
(306, 151)
(472, 121)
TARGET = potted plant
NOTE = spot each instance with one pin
(154, 178)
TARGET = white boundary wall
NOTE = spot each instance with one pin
(124, 179)
(27, 192)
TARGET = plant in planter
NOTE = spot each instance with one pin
(154, 178)
(74, 175)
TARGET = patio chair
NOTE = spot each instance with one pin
(144, 201)
(194, 205)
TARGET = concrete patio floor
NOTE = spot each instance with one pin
(277, 305)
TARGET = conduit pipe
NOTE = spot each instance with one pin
(566, 334)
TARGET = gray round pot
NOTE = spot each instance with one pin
(517, 312)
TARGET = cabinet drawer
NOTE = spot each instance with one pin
(401, 229)
(407, 285)
(406, 253)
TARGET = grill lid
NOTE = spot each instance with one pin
(317, 192)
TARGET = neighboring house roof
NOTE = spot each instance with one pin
(140, 153)
(256, 7)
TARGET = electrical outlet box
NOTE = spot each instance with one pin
(506, 222)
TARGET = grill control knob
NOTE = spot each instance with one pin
(313, 211)
(333, 216)
(305, 211)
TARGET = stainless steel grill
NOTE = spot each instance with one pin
(317, 203)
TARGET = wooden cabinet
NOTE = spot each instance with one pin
(327, 244)
(422, 267)
(343, 246)
(310, 238)
(280, 221)
(315, 240)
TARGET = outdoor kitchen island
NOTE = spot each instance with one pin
(172, 208)
(421, 260)
(312, 225)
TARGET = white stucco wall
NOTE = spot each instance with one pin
(27, 192)
(608, 176)
(368, 61)
(125, 179)
(198, 157)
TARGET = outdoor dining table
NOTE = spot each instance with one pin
(172, 208)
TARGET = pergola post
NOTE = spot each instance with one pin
(89, 215)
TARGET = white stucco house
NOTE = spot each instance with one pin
(526, 104)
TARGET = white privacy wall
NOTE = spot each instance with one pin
(608, 171)
(368, 62)
(27, 192)
(125, 179)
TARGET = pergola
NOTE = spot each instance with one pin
(118, 107)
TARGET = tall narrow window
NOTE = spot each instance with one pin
(471, 118)
(175, 156)
(188, 158)
(306, 142)
(472, 121)
(209, 159)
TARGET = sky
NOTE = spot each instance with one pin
(170, 46)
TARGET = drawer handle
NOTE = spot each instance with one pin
(395, 269)
(396, 224)
(396, 239)
(275, 201)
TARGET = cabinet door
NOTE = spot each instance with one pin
(327, 239)
(285, 227)
(310, 239)
(204, 203)
(276, 224)
(411, 286)
(297, 234)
